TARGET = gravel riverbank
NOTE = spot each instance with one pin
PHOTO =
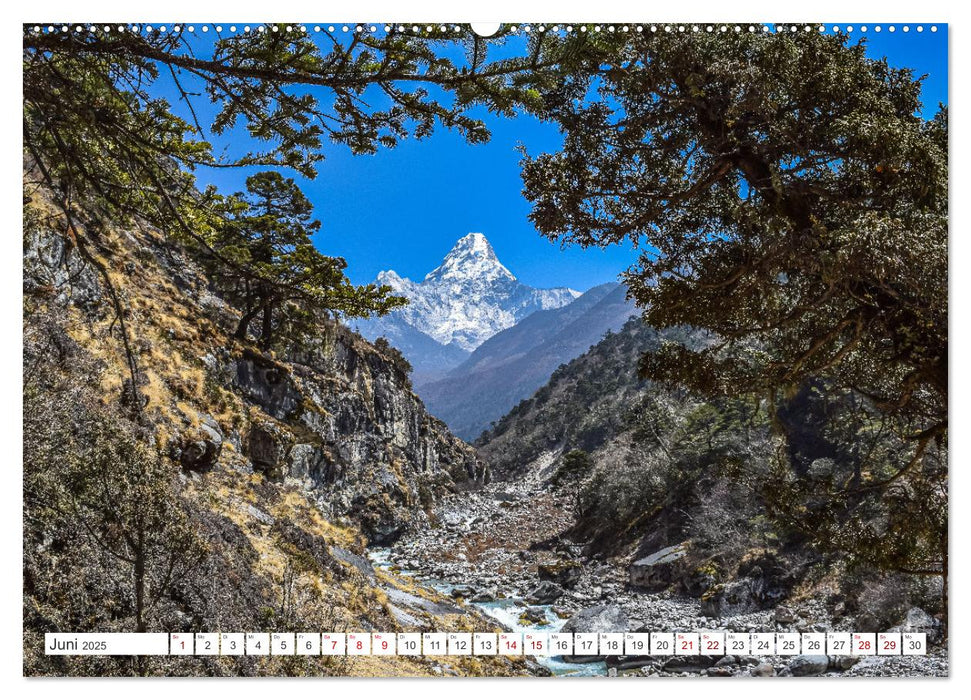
(498, 549)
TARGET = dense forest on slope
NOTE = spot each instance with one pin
(803, 225)
(585, 402)
(648, 468)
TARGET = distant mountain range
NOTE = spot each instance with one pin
(464, 301)
(516, 362)
(480, 341)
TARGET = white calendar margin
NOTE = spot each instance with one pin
(11, 645)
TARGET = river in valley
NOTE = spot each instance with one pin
(507, 612)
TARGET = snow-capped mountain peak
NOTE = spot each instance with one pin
(389, 277)
(471, 256)
(469, 298)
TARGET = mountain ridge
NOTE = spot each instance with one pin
(461, 303)
(515, 362)
(492, 353)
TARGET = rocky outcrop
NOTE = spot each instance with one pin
(597, 618)
(344, 421)
(565, 573)
(732, 598)
(198, 449)
(656, 571)
(806, 665)
(918, 620)
(764, 580)
(198, 455)
(268, 384)
(358, 561)
(545, 593)
(337, 417)
(54, 268)
(268, 446)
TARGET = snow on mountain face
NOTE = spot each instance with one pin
(471, 258)
(470, 297)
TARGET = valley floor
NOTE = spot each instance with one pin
(486, 549)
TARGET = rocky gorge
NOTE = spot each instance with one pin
(501, 549)
(336, 416)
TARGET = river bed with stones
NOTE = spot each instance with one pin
(499, 550)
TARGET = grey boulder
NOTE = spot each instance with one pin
(805, 665)
(657, 571)
(545, 593)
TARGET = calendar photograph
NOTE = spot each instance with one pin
(462, 350)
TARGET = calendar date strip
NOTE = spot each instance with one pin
(565, 644)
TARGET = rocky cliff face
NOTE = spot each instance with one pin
(340, 418)
(336, 418)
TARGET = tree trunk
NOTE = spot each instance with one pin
(266, 335)
(944, 598)
(140, 583)
(242, 330)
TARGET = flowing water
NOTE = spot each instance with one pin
(507, 612)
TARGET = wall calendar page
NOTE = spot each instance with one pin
(525, 349)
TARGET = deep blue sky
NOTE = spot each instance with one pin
(403, 208)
